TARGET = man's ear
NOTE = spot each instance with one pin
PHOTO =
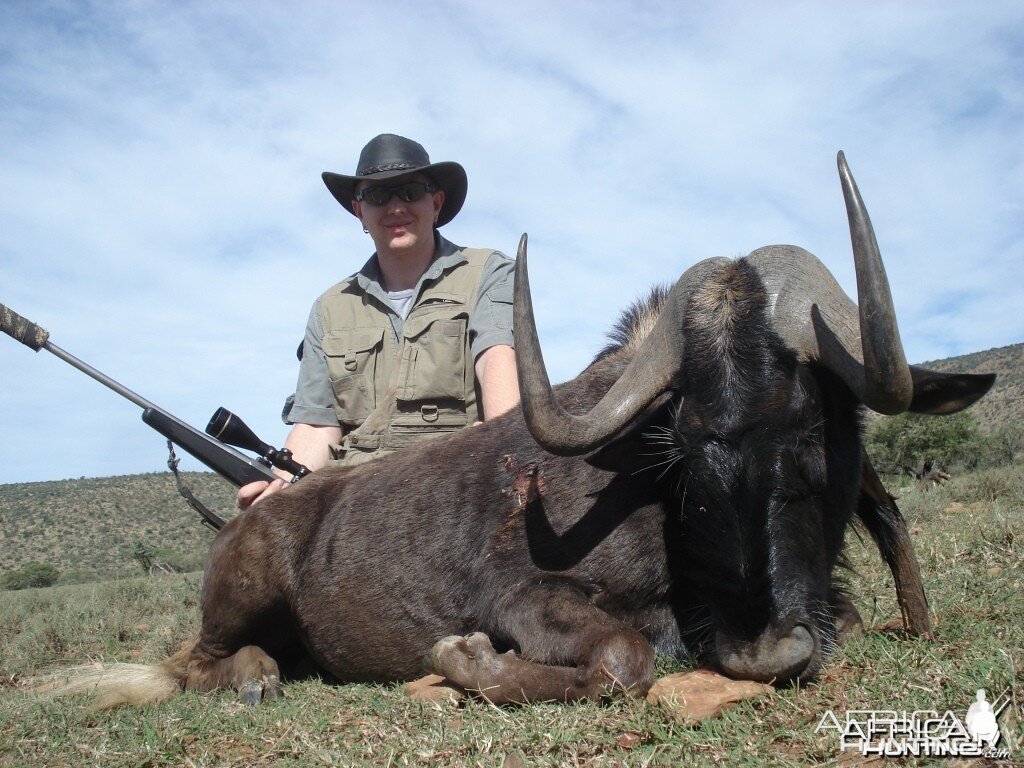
(438, 203)
(357, 209)
(632, 450)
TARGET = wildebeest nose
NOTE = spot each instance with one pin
(773, 657)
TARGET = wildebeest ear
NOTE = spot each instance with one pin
(629, 451)
(943, 393)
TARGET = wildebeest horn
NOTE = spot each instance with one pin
(647, 375)
(860, 344)
(809, 309)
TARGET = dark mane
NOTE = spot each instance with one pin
(635, 323)
(734, 362)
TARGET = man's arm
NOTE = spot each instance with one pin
(310, 445)
(499, 383)
(491, 339)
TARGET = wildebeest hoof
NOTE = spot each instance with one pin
(272, 688)
(463, 660)
(253, 692)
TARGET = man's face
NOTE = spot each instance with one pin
(398, 227)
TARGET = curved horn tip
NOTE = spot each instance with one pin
(522, 246)
(844, 167)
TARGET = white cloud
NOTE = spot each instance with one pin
(163, 214)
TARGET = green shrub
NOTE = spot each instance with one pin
(956, 442)
(998, 484)
(153, 559)
(32, 575)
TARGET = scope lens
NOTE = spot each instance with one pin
(218, 422)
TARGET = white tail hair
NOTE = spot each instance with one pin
(114, 685)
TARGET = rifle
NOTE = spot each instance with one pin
(233, 466)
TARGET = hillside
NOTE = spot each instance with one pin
(88, 528)
(1004, 405)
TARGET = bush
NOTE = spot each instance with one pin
(954, 441)
(153, 559)
(32, 575)
(991, 485)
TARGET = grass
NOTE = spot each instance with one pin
(969, 536)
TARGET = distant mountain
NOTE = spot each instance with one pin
(1004, 404)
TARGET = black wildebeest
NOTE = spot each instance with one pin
(691, 497)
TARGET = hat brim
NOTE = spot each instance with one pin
(451, 177)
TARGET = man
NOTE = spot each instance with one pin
(419, 341)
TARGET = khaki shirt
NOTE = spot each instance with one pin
(342, 385)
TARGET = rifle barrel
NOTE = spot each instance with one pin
(234, 466)
(101, 377)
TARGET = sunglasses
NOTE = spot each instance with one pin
(409, 192)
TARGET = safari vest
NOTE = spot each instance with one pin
(390, 393)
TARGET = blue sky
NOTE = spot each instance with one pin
(163, 216)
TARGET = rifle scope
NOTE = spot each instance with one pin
(227, 427)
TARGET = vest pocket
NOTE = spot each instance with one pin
(351, 356)
(499, 307)
(433, 364)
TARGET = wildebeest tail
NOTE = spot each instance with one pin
(116, 684)
(883, 520)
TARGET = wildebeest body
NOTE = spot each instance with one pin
(369, 565)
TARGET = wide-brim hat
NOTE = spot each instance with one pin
(387, 156)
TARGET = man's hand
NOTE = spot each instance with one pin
(310, 445)
(253, 492)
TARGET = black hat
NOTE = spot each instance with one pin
(387, 156)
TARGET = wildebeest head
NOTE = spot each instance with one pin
(744, 402)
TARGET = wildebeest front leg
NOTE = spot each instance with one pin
(243, 617)
(570, 649)
(250, 671)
